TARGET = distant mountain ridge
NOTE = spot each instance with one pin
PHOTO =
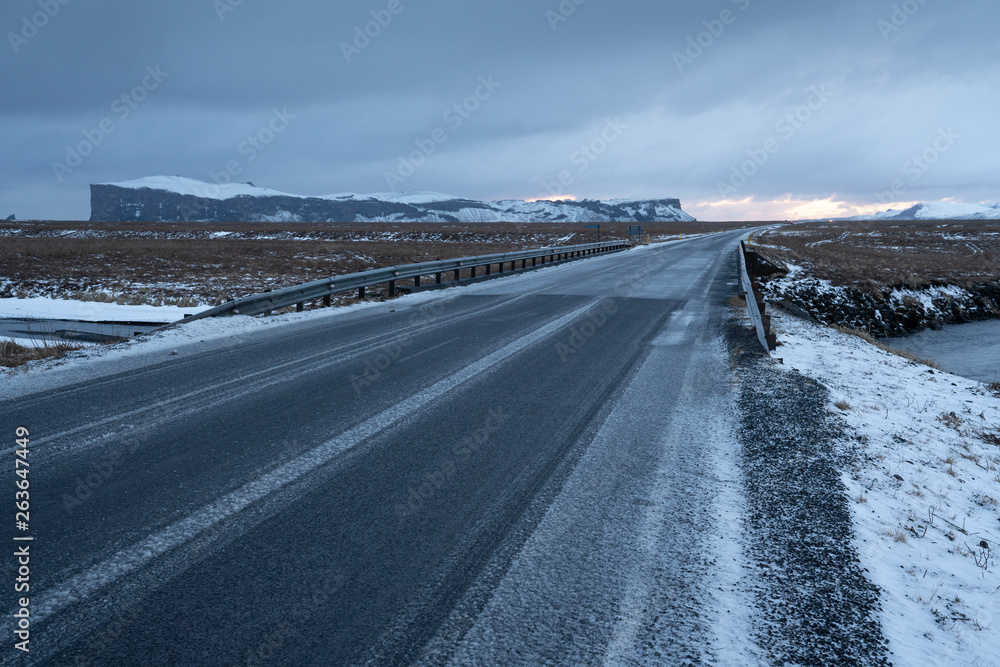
(938, 211)
(178, 199)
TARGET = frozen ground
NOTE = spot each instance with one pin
(924, 491)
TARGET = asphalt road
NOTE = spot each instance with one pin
(534, 468)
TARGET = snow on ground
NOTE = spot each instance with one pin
(90, 311)
(925, 491)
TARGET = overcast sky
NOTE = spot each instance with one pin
(741, 108)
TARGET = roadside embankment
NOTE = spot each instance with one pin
(915, 453)
(895, 311)
(924, 490)
(890, 279)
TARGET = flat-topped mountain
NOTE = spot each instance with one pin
(178, 199)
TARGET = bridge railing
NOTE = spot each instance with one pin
(299, 295)
(755, 303)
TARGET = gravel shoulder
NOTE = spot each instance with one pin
(814, 600)
(923, 490)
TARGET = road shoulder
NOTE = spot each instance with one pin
(815, 604)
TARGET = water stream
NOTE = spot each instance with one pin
(970, 350)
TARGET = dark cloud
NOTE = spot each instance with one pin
(898, 73)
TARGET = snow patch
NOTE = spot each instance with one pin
(90, 311)
(925, 491)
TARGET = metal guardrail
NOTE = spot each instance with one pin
(755, 304)
(299, 295)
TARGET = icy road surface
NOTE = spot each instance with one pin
(535, 469)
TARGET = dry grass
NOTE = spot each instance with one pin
(737, 301)
(13, 355)
(179, 263)
(897, 536)
(843, 406)
(985, 501)
(874, 255)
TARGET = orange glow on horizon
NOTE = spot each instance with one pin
(553, 198)
(786, 208)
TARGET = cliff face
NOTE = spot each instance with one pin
(110, 203)
(181, 200)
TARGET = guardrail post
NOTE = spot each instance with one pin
(458, 275)
(416, 281)
(361, 293)
(327, 301)
(438, 278)
(392, 288)
(489, 269)
(299, 307)
(473, 272)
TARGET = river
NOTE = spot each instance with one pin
(971, 350)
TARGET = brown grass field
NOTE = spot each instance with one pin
(872, 256)
(185, 263)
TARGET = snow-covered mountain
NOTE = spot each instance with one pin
(178, 199)
(939, 211)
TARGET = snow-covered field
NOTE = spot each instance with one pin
(90, 311)
(925, 492)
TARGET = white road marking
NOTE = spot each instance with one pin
(101, 575)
